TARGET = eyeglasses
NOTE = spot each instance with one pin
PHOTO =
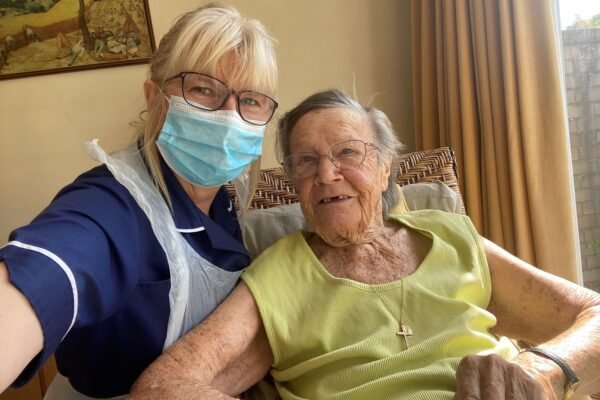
(346, 154)
(208, 93)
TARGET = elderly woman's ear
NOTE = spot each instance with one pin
(387, 159)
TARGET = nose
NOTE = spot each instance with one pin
(327, 172)
(230, 104)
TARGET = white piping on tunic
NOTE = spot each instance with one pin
(62, 265)
(199, 229)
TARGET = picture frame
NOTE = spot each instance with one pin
(52, 36)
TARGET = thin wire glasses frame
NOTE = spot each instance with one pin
(347, 154)
(209, 93)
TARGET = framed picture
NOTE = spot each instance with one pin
(50, 36)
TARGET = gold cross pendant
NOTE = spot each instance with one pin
(405, 332)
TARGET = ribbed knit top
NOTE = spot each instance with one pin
(336, 338)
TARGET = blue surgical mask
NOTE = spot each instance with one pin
(208, 148)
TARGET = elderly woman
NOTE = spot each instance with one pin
(139, 250)
(376, 306)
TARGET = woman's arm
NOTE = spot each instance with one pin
(551, 312)
(21, 336)
(223, 356)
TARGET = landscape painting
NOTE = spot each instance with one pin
(49, 36)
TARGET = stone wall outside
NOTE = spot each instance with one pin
(581, 52)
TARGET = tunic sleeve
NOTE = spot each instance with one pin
(78, 260)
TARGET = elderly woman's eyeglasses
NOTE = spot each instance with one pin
(208, 93)
(347, 154)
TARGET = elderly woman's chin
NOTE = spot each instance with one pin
(340, 224)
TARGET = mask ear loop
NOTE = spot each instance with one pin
(242, 191)
(245, 186)
(168, 99)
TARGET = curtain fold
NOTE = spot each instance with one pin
(486, 83)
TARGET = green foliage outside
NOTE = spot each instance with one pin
(593, 22)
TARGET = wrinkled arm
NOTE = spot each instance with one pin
(223, 356)
(541, 308)
(21, 335)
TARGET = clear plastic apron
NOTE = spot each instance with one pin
(197, 286)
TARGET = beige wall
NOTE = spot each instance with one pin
(45, 120)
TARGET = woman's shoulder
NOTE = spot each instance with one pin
(95, 187)
(429, 218)
(95, 197)
(98, 179)
(283, 253)
(287, 245)
(426, 214)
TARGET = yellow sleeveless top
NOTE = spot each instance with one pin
(335, 338)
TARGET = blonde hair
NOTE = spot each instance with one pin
(209, 38)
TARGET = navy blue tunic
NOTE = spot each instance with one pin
(99, 280)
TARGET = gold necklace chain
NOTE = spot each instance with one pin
(404, 331)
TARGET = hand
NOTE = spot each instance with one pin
(492, 377)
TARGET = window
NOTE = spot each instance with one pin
(580, 31)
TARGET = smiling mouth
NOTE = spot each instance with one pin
(333, 199)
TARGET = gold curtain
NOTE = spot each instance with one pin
(486, 82)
